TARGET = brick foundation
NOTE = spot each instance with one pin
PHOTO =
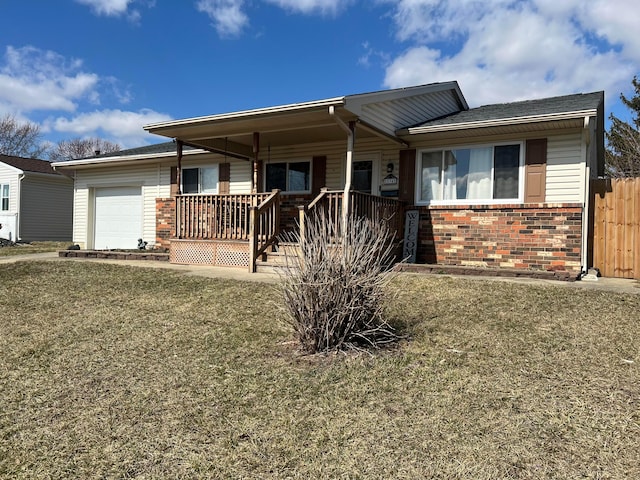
(545, 237)
(289, 212)
(165, 221)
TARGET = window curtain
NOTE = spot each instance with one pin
(209, 180)
(479, 180)
(431, 165)
(450, 176)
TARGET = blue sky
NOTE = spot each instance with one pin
(84, 68)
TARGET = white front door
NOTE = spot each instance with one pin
(118, 217)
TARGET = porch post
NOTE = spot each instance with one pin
(178, 201)
(256, 152)
(179, 171)
(347, 183)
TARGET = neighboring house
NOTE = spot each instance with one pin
(496, 186)
(35, 201)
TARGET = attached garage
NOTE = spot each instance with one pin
(118, 217)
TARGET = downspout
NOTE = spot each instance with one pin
(350, 129)
(587, 199)
(18, 198)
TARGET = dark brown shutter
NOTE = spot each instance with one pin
(535, 171)
(224, 175)
(319, 174)
(407, 176)
(173, 178)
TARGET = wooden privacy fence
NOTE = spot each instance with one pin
(616, 227)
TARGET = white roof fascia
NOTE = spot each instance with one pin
(499, 122)
(124, 158)
(244, 114)
(11, 167)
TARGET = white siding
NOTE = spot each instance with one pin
(565, 175)
(9, 218)
(336, 153)
(153, 178)
(10, 175)
(565, 169)
(240, 176)
(46, 205)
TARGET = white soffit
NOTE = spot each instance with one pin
(395, 109)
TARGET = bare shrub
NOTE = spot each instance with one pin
(336, 286)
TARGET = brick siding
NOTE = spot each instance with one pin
(532, 236)
(165, 221)
(289, 215)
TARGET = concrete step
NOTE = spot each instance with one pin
(276, 258)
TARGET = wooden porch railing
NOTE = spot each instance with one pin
(361, 204)
(224, 217)
(264, 227)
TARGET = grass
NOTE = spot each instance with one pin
(33, 247)
(109, 371)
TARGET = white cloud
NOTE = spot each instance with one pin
(227, 15)
(37, 83)
(122, 127)
(107, 7)
(34, 79)
(323, 7)
(506, 50)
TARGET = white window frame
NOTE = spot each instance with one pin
(200, 168)
(288, 162)
(466, 201)
(5, 187)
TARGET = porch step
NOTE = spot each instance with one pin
(276, 258)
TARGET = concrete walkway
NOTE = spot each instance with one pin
(617, 285)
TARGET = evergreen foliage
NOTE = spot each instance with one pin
(623, 139)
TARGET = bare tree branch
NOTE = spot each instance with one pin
(81, 148)
(335, 286)
(20, 139)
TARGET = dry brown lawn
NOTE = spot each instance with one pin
(33, 247)
(109, 371)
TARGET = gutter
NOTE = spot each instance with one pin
(243, 114)
(122, 159)
(497, 122)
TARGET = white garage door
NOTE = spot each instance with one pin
(118, 217)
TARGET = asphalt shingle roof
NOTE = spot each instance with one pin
(28, 164)
(544, 106)
(146, 150)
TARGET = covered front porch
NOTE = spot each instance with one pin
(272, 167)
(237, 230)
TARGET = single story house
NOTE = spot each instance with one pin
(504, 186)
(36, 202)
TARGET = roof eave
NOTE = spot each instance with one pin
(498, 122)
(123, 159)
(246, 114)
